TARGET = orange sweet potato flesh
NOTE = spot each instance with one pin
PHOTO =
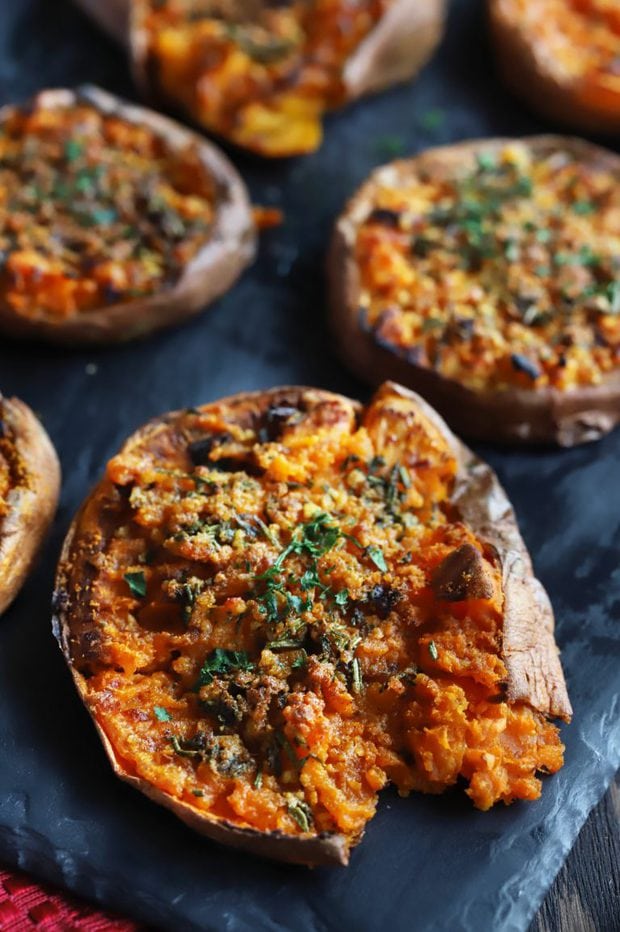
(276, 604)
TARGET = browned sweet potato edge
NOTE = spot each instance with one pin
(530, 652)
(32, 507)
(398, 47)
(230, 248)
(516, 415)
(527, 78)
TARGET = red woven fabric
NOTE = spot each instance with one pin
(24, 906)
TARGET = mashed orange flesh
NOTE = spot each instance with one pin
(502, 272)
(94, 211)
(259, 75)
(254, 614)
(577, 43)
(12, 469)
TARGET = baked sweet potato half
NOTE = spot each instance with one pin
(263, 74)
(276, 604)
(486, 276)
(115, 221)
(562, 57)
(29, 488)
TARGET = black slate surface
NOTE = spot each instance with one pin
(426, 863)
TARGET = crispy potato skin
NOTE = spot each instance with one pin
(393, 52)
(32, 505)
(525, 75)
(529, 650)
(520, 416)
(217, 265)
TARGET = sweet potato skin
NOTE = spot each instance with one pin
(393, 52)
(397, 48)
(566, 418)
(230, 248)
(530, 653)
(524, 75)
(32, 506)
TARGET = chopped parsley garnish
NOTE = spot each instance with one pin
(137, 583)
(221, 662)
(161, 714)
(300, 811)
(356, 676)
(432, 649)
(432, 120)
(376, 555)
(387, 146)
(584, 208)
(73, 150)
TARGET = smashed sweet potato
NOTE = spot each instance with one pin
(276, 604)
(262, 75)
(113, 221)
(485, 275)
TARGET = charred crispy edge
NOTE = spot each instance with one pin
(516, 415)
(312, 850)
(395, 50)
(32, 507)
(229, 249)
(525, 74)
(530, 652)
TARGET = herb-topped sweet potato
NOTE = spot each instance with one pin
(486, 275)
(29, 487)
(276, 604)
(263, 74)
(113, 220)
(562, 57)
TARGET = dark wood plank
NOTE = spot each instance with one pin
(586, 894)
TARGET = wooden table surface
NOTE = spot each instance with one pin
(586, 894)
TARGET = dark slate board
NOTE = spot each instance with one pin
(426, 862)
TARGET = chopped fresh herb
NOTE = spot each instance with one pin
(432, 649)
(390, 146)
(189, 747)
(486, 161)
(613, 296)
(221, 662)
(161, 714)
(356, 676)
(341, 598)
(432, 120)
(431, 323)
(283, 743)
(300, 661)
(584, 208)
(300, 811)
(198, 792)
(405, 478)
(376, 555)
(137, 583)
(73, 150)
(258, 779)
